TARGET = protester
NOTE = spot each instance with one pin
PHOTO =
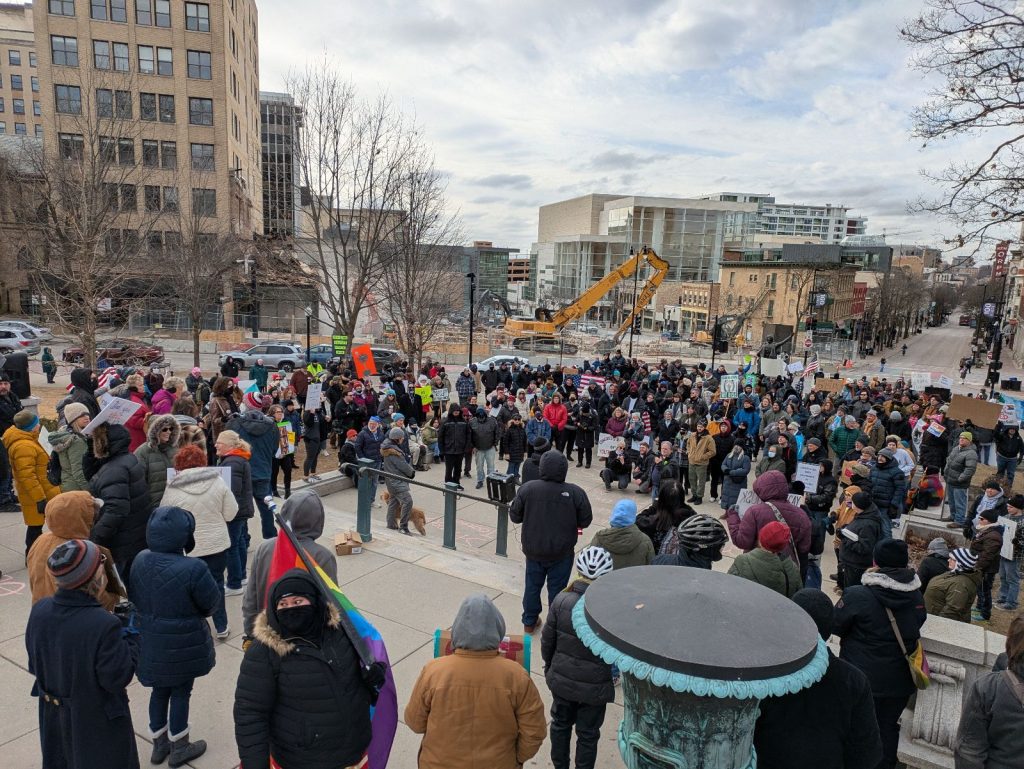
(453, 439)
(396, 464)
(83, 658)
(773, 491)
(28, 463)
(934, 562)
(485, 434)
(961, 464)
(453, 691)
(264, 439)
(859, 539)
(951, 593)
(1010, 568)
(986, 535)
(735, 468)
(766, 565)
(700, 541)
(156, 455)
(625, 542)
(514, 442)
(700, 450)
(234, 454)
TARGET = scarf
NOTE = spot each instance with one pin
(987, 503)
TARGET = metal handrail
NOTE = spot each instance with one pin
(365, 468)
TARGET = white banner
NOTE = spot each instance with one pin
(116, 412)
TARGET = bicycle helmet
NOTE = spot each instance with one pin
(593, 561)
(701, 532)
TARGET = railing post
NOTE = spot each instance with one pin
(451, 498)
(501, 544)
(363, 513)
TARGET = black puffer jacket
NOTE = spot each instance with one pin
(1009, 445)
(157, 456)
(303, 703)
(867, 528)
(241, 484)
(551, 511)
(82, 392)
(121, 483)
(866, 637)
(572, 671)
(454, 435)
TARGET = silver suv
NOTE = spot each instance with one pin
(15, 340)
(280, 355)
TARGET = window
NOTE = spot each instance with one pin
(151, 197)
(121, 63)
(35, 84)
(14, 58)
(170, 198)
(200, 111)
(200, 65)
(164, 62)
(144, 12)
(20, 129)
(123, 104)
(126, 152)
(71, 145)
(202, 157)
(155, 241)
(197, 17)
(1, 104)
(147, 106)
(98, 10)
(62, 7)
(101, 54)
(147, 60)
(3, 128)
(64, 50)
(150, 153)
(39, 131)
(771, 308)
(204, 202)
(771, 281)
(169, 156)
(17, 84)
(235, 129)
(37, 109)
(108, 149)
(163, 13)
(32, 60)
(119, 10)
(104, 102)
(234, 47)
(129, 200)
(166, 108)
(19, 106)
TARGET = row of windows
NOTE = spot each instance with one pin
(118, 104)
(18, 83)
(155, 154)
(148, 13)
(18, 107)
(14, 57)
(152, 60)
(20, 129)
(157, 199)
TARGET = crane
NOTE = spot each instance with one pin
(542, 330)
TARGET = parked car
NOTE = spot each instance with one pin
(280, 355)
(322, 354)
(42, 333)
(14, 340)
(497, 360)
(119, 352)
(670, 336)
(382, 356)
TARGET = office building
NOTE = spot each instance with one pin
(280, 121)
(687, 307)
(489, 263)
(21, 109)
(827, 222)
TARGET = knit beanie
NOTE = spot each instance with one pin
(892, 554)
(73, 411)
(939, 546)
(252, 401)
(396, 434)
(815, 409)
(623, 514)
(25, 420)
(774, 537)
(861, 500)
(991, 515)
(73, 563)
(965, 434)
(965, 559)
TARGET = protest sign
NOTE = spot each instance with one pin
(439, 395)
(829, 385)
(945, 381)
(919, 380)
(981, 413)
(730, 386)
(44, 440)
(937, 429)
(116, 412)
(1009, 534)
(794, 367)
(808, 474)
(750, 379)
(773, 366)
(606, 444)
(248, 385)
(313, 396)
(747, 497)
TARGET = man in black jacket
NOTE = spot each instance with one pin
(859, 538)
(531, 468)
(830, 725)
(10, 405)
(552, 513)
(1009, 450)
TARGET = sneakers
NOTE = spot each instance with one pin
(405, 530)
(223, 635)
(479, 484)
(234, 590)
(954, 525)
(976, 616)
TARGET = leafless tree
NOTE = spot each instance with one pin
(975, 47)
(422, 268)
(352, 156)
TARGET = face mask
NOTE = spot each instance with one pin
(300, 621)
(771, 454)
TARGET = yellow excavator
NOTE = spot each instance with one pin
(540, 334)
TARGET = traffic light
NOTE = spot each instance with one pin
(638, 326)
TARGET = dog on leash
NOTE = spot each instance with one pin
(417, 517)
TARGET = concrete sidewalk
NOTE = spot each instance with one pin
(407, 586)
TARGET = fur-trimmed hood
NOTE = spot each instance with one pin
(895, 589)
(156, 424)
(266, 635)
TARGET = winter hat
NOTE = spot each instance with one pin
(351, 434)
(623, 514)
(939, 546)
(891, 553)
(850, 419)
(872, 413)
(869, 450)
(25, 420)
(815, 409)
(539, 442)
(481, 412)
(992, 483)
(815, 441)
(991, 515)
(965, 559)
(895, 416)
(375, 418)
(1016, 501)
(74, 410)
(888, 454)
(252, 401)
(396, 434)
(196, 371)
(74, 563)
(965, 434)
(819, 606)
(774, 537)
(861, 500)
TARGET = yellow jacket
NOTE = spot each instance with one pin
(28, 466)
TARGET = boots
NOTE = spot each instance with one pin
(161, 747)
(183, 751)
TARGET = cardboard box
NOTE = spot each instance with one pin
(347, 543)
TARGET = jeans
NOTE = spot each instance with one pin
(887, 712)
(1009, 582)
(557, 575)
(216, 564)
(261, 489)
(238, 552)
(958, 503)
(513, 468)
(312, 452)
(609, 478)
(886, 524)
(813, 572)
(174, 699)
(985, 452)
(484, 457)
(587, 719)
(698, 477)
(984, 605)
(1006, 466)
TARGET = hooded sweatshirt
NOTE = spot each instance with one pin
(202, 492)
(304, 512)
(550, 511)
(628, 545)
(261, 433)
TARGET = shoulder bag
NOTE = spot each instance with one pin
(916, 660)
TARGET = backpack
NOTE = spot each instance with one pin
(53, 471)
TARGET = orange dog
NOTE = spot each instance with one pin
(417, 517)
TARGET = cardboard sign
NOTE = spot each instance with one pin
(981, 413)
(807, 472)
(347, 543)
(919, 380)
(512, 647)
(773, 366)
(313, 396)
(439, 395)
(730, 386)
(846, 473)
(1009, 534)
(116, 412)
(829, 385)
(606, 444)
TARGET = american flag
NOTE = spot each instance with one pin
(588, 379)
(106, 376)
(811, 367)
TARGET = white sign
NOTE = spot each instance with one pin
(1009, 534)
(116, 412)
(794, 367)
(945, 381)
(44, 440)
(807, 473)
(919, 380)
(747, 497)
(606, 443)
(313, 396)
(773, 366)
(808, 384)
(439, 395)
(225, 474)
(730, 386)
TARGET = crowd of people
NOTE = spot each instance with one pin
(147, 525)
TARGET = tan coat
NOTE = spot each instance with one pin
(28, 466)
(845, 512)
(476, 710)
(700, 451)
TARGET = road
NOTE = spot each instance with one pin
(936, 349)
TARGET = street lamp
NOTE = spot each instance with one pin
(472, 301)
(309, 322)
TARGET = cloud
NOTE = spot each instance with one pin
(506, 181)
(616, 160)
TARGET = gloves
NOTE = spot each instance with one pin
(41, 507)
(969, 531)
(374, 677)
(246, 643)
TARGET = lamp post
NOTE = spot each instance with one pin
(309, 323)
(472, 301)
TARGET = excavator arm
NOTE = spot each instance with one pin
(660, 268)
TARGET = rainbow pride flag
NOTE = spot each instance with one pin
(365, 638)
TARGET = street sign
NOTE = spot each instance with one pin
(808, 343)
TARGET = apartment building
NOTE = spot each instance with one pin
(827, 222)
(687, 306)
(21, 108)
(180, 81)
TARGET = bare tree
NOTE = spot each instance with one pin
(352, 156)
(421, 270)
(975, 46)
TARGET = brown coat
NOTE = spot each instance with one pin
(700, 451)
(476, 710)
(845, 513)
(68, 516)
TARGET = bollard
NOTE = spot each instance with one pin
(451, 498)
(501, 545)
(363, 512)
